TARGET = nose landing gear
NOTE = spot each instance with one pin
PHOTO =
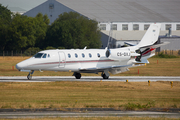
(29, 76)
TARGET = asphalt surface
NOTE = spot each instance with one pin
(86, 112)
(88, 78)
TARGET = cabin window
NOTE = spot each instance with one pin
(44, 56)
(38, 55)
(90, 55)
(48, 55)
(98, 55)
(83, 55)
(76, 55)
(69, 55)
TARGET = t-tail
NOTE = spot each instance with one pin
(151, 36)
(148, 44)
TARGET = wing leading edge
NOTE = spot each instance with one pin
(122, 68)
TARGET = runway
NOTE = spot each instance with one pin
(38, 114)
(88, 78)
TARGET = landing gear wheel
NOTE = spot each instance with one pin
(138, 58)
(104, 76)
(78, 75)
(29, 77)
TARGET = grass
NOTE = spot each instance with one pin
(162, 55)
(157, 67)
(133, 106)
(99, 118)
(120, 95)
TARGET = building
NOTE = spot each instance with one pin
(128, 19)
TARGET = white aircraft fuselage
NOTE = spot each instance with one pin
(93, 60)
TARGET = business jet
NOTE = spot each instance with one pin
(106, 60)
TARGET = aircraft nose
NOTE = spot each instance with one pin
(20, 65)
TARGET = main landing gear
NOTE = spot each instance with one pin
(105, 74)
(77, 75)
(29, 76)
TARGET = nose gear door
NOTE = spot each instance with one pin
(62, 59)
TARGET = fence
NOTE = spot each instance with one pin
(17, 53)
(170, 52)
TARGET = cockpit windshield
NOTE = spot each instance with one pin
(41, 55)
(38, 55)
(44, 56)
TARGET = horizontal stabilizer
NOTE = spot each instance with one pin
(156, 45)
(128, 43)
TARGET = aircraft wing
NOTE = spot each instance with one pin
(103, 68)
(113, 69)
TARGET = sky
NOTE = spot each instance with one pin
(24, 5)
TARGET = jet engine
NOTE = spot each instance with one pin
(116, 54)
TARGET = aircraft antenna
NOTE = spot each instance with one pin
(110, 34)
(85, 47)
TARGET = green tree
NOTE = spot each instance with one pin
(27, 31)
(72, 30)
(42, 22)
(31, 51)
(22, 32)
(5, 20)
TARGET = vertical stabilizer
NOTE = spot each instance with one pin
(151, 36)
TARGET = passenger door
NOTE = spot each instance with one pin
(62, 59)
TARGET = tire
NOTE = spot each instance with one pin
(78, 76)
(104, 76)
(29, 77)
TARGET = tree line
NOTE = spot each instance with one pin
(69, 30)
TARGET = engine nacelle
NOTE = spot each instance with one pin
(116, 54)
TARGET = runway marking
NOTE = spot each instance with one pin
(88, 114)
(88, 78)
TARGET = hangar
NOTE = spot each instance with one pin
(127, 19)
